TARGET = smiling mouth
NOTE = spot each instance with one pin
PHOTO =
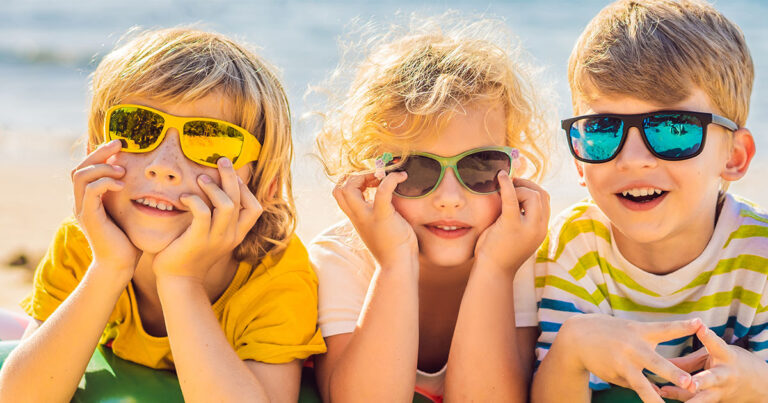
(159, 205)
(642, 195)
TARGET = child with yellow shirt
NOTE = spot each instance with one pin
(181, 254)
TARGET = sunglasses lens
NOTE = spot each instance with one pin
(136, 128)
(596, 139)
(423, 174)
(208, 141)
(478, 170)
(674, 135)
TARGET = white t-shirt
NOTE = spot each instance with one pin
(345, 267)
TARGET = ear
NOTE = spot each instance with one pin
(580, 170)
(740, 156)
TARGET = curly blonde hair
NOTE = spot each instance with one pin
(179, 65)
(414, 79)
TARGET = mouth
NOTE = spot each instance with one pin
(642, 198)
(155, 206)
(448, 230)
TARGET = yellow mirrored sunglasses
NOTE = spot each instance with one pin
(141, 129)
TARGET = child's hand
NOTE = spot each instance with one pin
(731, 374)
(212, 236)
(385, 232)
(520, 228)
(617, 350)
(91, 179)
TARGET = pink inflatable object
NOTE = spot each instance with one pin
(12, 325)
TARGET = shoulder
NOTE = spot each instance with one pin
(339, 248)
(582, 226)
(744, 226)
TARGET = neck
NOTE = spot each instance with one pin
(433, 276)
(668, 254)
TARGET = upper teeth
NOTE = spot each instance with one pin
(155, 204)
(447, 227)
(637, 192)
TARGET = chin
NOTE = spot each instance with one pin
(447, 259)
(151, 243)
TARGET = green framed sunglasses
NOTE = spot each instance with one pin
(476, 169)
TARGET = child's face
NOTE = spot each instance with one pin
(451, 205)
(163, 175)
(690, 187)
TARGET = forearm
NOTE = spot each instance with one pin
(48, 365)
(484, 363)
(206, 364)
(379, 363)
(558, 376)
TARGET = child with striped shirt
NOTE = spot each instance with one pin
(662, 260)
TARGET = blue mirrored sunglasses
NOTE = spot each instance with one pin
(669, 135)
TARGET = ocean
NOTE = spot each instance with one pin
(48, 49)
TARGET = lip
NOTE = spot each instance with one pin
(463, 229)
(177, 208)
(644, 206)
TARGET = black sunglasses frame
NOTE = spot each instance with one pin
(636, 120)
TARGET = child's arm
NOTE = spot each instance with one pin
(49, 362)
(484, 361)
(616, 350)
(207, 366)
(377, 362)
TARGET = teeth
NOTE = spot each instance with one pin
(155, 204)
(639, 192)
(447, 227)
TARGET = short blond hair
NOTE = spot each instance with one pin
(181, 65)
(657, 51)
(412, 79)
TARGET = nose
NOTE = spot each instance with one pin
(635, 154)
(449, 193)
(163, 163)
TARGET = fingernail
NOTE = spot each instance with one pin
(239, 179)
(224, 162)
(118, 168)
(682, 380)
(696, 386)
(663, 393)
(206, 179)
(113, 142)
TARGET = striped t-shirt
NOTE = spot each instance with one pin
(579, 269)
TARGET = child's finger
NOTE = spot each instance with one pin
(201, 216)
(229, 183)
(510, 202)
(99, 155)
(93, 192)
(642, 386)
(224, 213)
(691, 362)
(82, 177)
(250, 212)
(674, 392)
(709, 378)
(665, 369)
(657, 332)
(382, 203)
(352, 193)
(716, 347)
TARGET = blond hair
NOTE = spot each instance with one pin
(179, 65)
(657, 51)
(412, 79)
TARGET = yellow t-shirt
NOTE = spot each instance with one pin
(268, 313)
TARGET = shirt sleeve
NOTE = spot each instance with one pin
(525, 296)
(276, 322)
(344, 275)
(59, 272)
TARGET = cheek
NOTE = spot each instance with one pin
(408, 208)
(487, 209)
